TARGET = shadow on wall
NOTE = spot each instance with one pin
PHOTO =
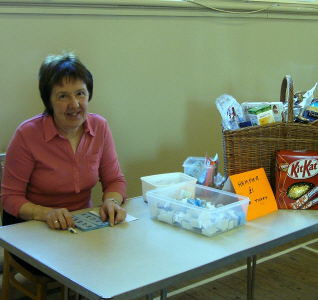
(200, 136)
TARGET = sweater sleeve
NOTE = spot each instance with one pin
(111, 176)
(18, 168)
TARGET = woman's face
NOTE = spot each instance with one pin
(69, 102)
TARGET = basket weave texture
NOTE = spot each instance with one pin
(255, 147)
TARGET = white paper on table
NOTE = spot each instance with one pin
(129, 218)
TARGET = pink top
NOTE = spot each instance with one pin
(42, 168)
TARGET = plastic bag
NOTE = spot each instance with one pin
(231, 112)
(205, 170)
(302, 100)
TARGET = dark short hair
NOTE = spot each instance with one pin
(54, 69)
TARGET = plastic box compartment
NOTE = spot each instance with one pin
(219, 211)
(162, 180)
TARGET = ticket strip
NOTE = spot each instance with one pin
(89, 221)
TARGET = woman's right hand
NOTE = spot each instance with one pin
(56, 218)
(59, 218)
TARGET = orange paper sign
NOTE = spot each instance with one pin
(254, 184)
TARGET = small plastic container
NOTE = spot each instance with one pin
(161, 180)
(198, 208)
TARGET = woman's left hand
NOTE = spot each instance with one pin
(112, 212)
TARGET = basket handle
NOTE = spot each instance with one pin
(287, 94)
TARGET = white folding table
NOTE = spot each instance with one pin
(141, 257)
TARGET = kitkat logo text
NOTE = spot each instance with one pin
(303, 168)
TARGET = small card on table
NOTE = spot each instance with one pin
(255, 185)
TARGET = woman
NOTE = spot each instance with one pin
(54, 159)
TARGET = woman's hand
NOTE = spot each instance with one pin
(112, 211)
(56, 218)
(59, 218)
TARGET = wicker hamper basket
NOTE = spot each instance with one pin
(255, 147)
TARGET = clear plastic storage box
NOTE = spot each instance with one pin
(161, 180)
(201, 209)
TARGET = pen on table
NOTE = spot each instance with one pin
(72, 230)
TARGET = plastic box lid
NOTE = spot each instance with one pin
(162, 180)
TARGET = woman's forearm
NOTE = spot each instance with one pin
(30, 211)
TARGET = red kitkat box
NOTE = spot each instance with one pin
(297, 179)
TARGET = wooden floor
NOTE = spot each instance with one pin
(289, 272)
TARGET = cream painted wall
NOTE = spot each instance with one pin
(156, 78)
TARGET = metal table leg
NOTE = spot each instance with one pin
(150, 297)
(66, 293)
(163, 294)
(251, 266)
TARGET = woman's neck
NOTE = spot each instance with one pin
(73, 136)
(71, 133)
